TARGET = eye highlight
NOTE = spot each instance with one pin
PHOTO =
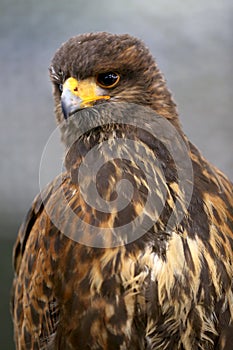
(108, 79)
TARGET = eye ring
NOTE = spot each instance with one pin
(107, 79)
(60, 87)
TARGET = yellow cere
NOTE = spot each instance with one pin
(86, 90)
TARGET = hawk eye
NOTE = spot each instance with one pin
(108, 80)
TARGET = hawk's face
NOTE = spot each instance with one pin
(95, 68)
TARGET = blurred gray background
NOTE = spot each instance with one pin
(193, 43)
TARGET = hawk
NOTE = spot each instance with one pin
(131, 246)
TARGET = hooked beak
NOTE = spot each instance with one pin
(80, 94)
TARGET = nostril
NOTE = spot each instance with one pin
(76, 89)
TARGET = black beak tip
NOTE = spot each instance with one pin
(65, 110)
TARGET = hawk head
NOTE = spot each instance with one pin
(96, 68)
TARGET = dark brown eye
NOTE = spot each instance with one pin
(108, 80)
